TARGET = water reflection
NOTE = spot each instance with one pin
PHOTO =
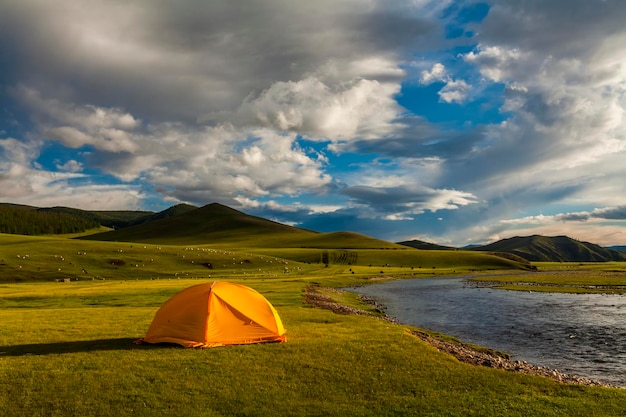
(582, 334)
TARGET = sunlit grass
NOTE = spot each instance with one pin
(62, 354)
(66, 348)
(608, 278)
(28, 258)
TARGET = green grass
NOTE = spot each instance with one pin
(26, 258)
(419, 261)
(598, 277)
(63, 358)
(67, 348)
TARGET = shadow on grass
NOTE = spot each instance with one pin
(125, 343)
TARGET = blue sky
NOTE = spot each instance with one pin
(453, 122)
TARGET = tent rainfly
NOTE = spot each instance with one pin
(215, 314)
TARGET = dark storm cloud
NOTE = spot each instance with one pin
(610, 213)
(163, 60)
(557, 27)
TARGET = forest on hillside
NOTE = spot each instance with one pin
(26, 221)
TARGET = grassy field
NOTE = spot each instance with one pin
(27, 258)
(596, 277)
(66, 348)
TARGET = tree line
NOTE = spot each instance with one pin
(25, 221)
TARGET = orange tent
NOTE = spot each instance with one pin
(216, 314)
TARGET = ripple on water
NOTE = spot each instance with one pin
(582, 334)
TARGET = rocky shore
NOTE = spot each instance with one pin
(463, 352)
(492, 359)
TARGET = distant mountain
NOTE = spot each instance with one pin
(471, 246)
(553, 249)
(418, 244)
(214, 223)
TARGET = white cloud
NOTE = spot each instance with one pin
(16, 152)
(23, 182)
(495, 63)
(87, 116)
(130, 85)
(70, 166)
(23, 185)
(400, 202)
(271, 205)
(185, 163)
(337, 71)
(110, 140)
(86, 197)
(603, 214)
(397, 217)
(107, 129)
(436, 73)
(565, 129)
(323, 208)
(69, 136)
(226, 162)
(454, 92)
(358, 108)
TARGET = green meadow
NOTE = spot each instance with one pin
(66, 348)
(574, 277)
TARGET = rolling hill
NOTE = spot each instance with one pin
(219, 224)
(216, 224)
(553, 249)
(121, 218)
(22, 219)
(228, 239)
(202, 225)
(419, 244)
(21, 214)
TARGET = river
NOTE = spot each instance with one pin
(579, 334)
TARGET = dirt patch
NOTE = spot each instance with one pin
(464, 353)
(314, 297)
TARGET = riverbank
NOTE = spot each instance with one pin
(463, 352)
